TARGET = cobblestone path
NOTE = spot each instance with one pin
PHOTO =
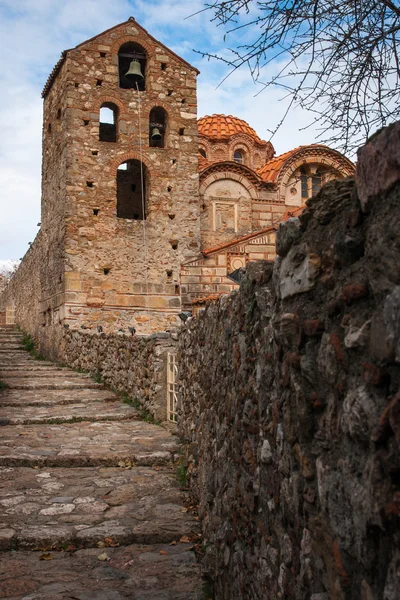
(89, 504)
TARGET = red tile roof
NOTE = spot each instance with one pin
(223, 127)
(240, 240)
(270, 171)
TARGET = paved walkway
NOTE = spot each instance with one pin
(89, 504)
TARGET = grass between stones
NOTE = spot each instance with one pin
(28, 343)
(3, 385)
(143, 413)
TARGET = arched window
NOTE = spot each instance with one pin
(157, 127)
(132, 66)
(304, 183)
(203, 152)
(108, 122)
(132, 190)
(316, 181)
(238, 156)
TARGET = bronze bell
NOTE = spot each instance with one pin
(134, 72)
(155, 134)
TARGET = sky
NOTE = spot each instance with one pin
(35, 32)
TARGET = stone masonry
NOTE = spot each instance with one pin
(90, 506)
(290, 403)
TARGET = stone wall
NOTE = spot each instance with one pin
(290, 403)
(135, 365)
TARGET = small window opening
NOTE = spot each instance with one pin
(169, 188)
(90, 184)
(238, 156)
(183, 101)
(174, 245)
(169, 92)
(182, 131)
(59, 113)
(96, 211)
(157, 127)
(173, 161)
(102, 54)
(106, 270)
(172, 217)
(132, 66)
(203, 206)
(49, 128)
(304, 183)
(86, 122)
(203, 152)
(76, 84)
(99, 82)
(95, 152)
(169, 273)
(177, 290)
(129, 190)
(108, 122)
(163, 66)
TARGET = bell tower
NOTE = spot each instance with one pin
(120, 182)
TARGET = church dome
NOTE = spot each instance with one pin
(224, 127)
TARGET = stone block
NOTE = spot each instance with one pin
(378, 165)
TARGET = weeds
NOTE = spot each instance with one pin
(181, 474)
(3, 385)
(97, 377)
(143, 413)
(28, 343)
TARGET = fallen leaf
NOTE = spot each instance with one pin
(46, 556)
(110, 542)
(173, 543)
(101, 545)
(184, 540)
(163, 552)
(103, 556)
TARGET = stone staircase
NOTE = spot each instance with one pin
(89, 504)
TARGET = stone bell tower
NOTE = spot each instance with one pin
(120, 209)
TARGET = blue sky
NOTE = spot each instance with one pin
(34, 33)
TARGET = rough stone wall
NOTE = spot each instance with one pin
(106, 262)
(23, 291)
(290, 405)
(135, 365)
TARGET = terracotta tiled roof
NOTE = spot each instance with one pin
(240, 240)
(270, 171)
(223, 127)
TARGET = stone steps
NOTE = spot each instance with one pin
(86, 444)
(135, 572)
(50, 398)
(90, 508)
(84, 507)
(70, 413)
(54, 383)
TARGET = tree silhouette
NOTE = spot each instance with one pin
(339, 59)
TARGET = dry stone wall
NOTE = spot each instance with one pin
(135, 365)
(290, 405)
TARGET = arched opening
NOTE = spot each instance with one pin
(238, 156)
(108, 122)
(304, 183)
(157, 127)
(316, 181)
(203, 152)
(132, 66)
(132, 190)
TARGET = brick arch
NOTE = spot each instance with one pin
(129, 156)
(100, 101)
(228, 174)
(131, 38)
(314, 155)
